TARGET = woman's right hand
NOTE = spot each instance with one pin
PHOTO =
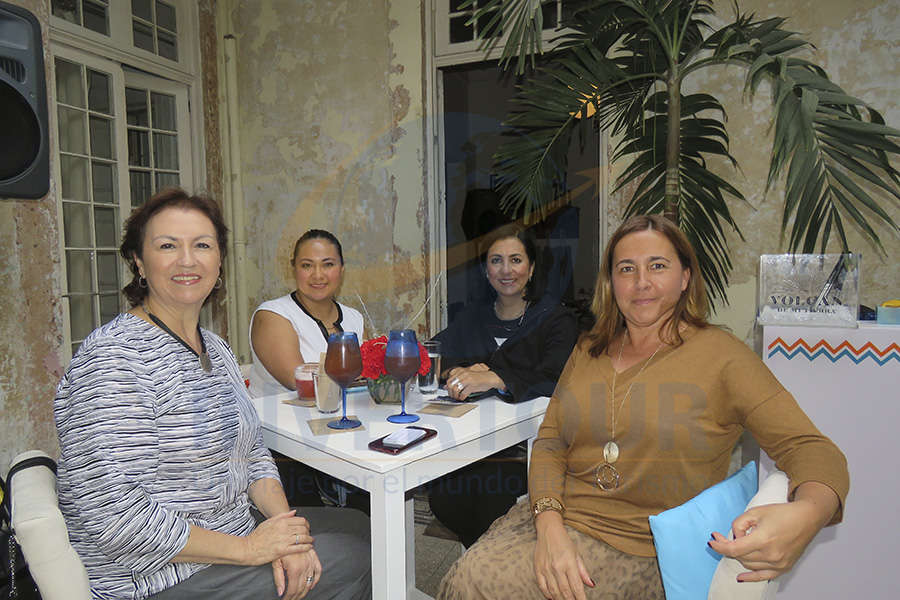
(558, 567)
(278, 536)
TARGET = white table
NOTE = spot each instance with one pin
(490, 427)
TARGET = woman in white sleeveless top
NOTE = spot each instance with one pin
(294, 329)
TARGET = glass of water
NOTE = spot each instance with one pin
(428, 384)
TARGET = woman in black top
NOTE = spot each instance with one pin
(517, 345)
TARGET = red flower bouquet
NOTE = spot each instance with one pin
(383, 388)
(373, 358)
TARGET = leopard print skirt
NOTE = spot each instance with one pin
(500, 565)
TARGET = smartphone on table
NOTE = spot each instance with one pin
(400, 440)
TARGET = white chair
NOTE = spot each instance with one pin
(41, 531)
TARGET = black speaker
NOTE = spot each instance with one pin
(24, 135)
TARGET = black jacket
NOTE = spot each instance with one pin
(529, 362)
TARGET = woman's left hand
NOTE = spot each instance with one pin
(464, 381)
(296, 574)
(769, 539)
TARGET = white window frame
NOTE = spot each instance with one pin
(113, 55)
(447, 53)
(119, 44)
(182, 107)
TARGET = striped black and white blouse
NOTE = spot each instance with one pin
(150, 444)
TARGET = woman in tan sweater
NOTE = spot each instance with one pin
(645, 416)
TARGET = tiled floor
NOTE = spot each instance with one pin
(434, 556)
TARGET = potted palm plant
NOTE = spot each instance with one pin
(622, 64)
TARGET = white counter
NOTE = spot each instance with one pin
(848, 382)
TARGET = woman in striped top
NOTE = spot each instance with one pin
(165, 484)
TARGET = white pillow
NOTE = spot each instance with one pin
(42, 534)
(725, 585)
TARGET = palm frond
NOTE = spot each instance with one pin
(828, 142)
(530, 166)
(703, 210)
(621, 62)
(523, 20)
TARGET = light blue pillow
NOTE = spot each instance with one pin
(680, 534)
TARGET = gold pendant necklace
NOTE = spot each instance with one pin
(607, 476)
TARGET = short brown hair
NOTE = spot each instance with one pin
(136, 226)
(692, 307)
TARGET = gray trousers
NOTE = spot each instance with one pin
(342, 544)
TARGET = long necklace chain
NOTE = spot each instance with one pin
(608, 477)
(202, 356)
(326, 330)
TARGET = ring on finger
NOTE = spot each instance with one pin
(296, 539)
(309, 578)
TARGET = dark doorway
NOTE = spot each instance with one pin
(475, 104)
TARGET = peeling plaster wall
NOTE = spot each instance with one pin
(330, 105)
(857, 44)
(31, 326)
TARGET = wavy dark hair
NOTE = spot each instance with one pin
(317, 234)
(533, 289)
(692, 307)
(136, 227)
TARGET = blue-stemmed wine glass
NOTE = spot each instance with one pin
(401, 361)
(343, 363)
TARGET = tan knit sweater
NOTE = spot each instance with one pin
(676, 432)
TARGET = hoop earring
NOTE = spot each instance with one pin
(142, 282)
(218, 283)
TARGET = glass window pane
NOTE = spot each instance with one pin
(142, 9)
(109, 307)
(163, 107)
(81, 316)
(98, 92)
(485, 19)
(140, 187)
(167, 45)
(69, 88)
(66, 9)
(569, 8)
(78, 270)
(165, 16)
(95, 17)
(164, 180)
(548, 10)
(143, 36)
(101, 137)
(136, 106)
(138, 148)
(77, 224)
(165, 151)
(73, 170)
(104, 183)
(106, 227)
(71, 130)
(107, 271)
(459, 31)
